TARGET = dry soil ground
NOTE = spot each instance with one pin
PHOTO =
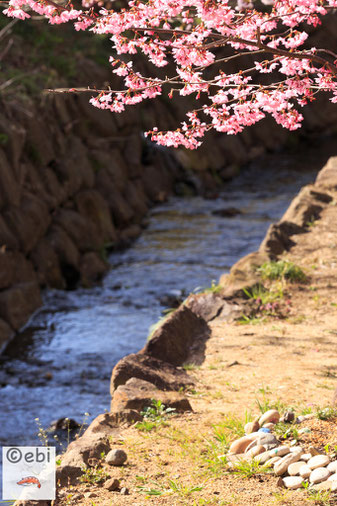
(268, 361)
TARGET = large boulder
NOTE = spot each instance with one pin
(306, 206)
(138, 394)
(327, 177)
(19, 302)
(161, 374)
(180, 334)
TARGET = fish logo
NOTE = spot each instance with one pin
(28, 481)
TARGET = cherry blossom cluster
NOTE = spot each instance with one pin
(200, 41)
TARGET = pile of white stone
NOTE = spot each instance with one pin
(294, 465)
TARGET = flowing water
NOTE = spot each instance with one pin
(60, 364)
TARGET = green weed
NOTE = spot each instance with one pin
(282, 270)
(93, 475)
(247, 469)
(154, 415)
(326, 413)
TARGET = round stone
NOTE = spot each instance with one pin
(295, 449)
(116, 457)
(271, 416)
(282, 465)
(305, 470)
(269, 425)
(333, 477)
(295, 467)
(324, 485)
(293, 482)
(318, 461)
(262, 457)
(306, 456)
(252, 427)
(280, 451)
(255, 451)
(319, 474)
(333, 466)
(272, 461)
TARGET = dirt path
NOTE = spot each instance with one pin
(266, 362)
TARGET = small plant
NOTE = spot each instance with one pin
(191, 367)
(214, 288)
(282, 270)
(93, 475)
(247, 469)
(286, 431)
(183, 490)
(321, 497)
(154, 415)
(326, 413)
(265, 303)
(42, 433)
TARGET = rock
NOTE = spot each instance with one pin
(138, 394)
(206, 305)
(269, 441)
(327, 177)
(293, 482)
(282, 465)
(112, 484)
(18, 303)
(280, 451)
(318, 461)
(6, 333)
(252, 427)
(234, 459)
(278, 238)
(333, 477)
(240, 445)
(272, 461)
(288, 417)
(124, 491)
(176, 338)
(265, 430)
(243, 274)
(319, 474)
(116, 457)
(306, 457)
(306, 206)
(68, 475)
(295, 467)
(162, 374)
(332, 467)
(262, 457)
(325, 485)
(82, 450)
(271, 416)
(314, 451)
(92, 268)
(94, 208)
(227, 212)
(64, 424)
(296, 448)
(305, 471)
(257, 450)
(269, 425)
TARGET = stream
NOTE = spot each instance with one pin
(60, 363)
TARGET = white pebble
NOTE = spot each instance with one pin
(319, 474)
(333, 466)
(293, 482)
(305, 471)
(318, 461)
